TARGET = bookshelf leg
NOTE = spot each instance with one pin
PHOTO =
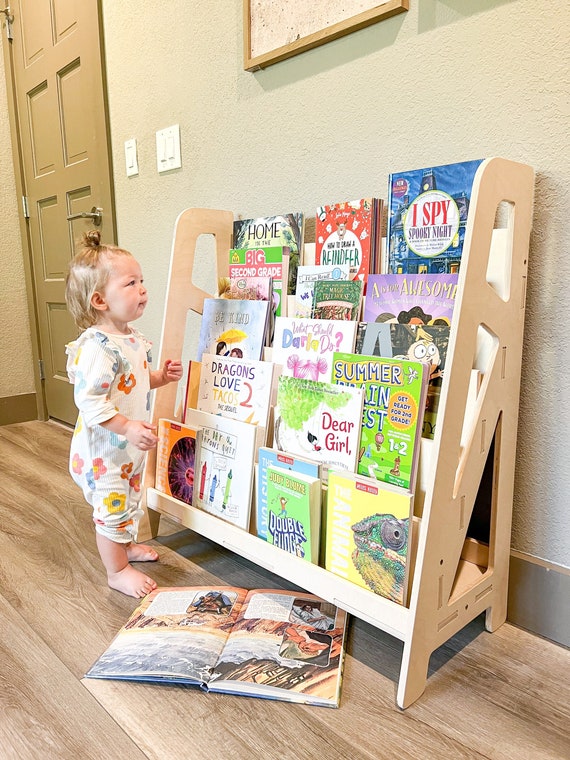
(413, 674)
(496, 614)
(148, 525)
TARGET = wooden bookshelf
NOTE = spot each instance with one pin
(455, 578)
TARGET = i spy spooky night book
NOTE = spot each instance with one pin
(428, 211)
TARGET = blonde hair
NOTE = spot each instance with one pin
(88, 273)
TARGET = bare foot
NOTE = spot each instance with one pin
(131, 582)
(141, 553)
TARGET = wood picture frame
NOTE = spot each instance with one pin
(296, 28)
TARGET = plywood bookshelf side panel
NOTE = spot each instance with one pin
(181, 296)
(449, 498)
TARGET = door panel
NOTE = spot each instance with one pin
(61, 117)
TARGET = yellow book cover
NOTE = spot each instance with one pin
(367, 533)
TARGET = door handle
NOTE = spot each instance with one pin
(96, 214)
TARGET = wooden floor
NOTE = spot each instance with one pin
(500, 695)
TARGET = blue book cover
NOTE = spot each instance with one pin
(274, 458)
(427, 217)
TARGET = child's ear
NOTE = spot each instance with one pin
(98, 301)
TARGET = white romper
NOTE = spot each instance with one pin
(110, 373)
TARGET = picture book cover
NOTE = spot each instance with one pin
(265, 643)
(294, 512)
(410, 298)
(348, 233)
(424, 343)
(368, 533)
(251, 289)
(391, 424)
(427, 217)
(236, 388)
(224, 466)
(268, 457)
(281, 230)
(176, 459)
(246, 288)
(269, 261)
(337, 299)
(307, 275)
(233, 328)
(304, 347)
(318, 420)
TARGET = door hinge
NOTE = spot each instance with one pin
(41, 368)
(25, 207)
(9, 22)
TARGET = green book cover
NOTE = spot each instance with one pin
(337, 299)
(281, 230)
(266, 261)
(394, 403)
(294, 512)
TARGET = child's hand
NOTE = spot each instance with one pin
(171, 371)
(141, 435)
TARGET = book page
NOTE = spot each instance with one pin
(286, 644)
(174, 635)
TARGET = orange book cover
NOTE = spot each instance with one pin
(175, 459)
(346, 233)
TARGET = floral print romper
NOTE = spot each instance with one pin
(110, 373)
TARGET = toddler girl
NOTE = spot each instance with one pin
(109, 365)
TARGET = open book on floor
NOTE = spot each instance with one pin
(265, 643)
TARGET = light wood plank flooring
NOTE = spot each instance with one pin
(501, 695)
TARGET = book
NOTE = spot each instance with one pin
(304, 347)
(269, 261)
(348, 233)
(337, 299)
(307, 275)
(265, 643)
(176, 459)
(427, 217)
(233, 328)
(294, 512)
(410, 298)
(416, 342)
(224, 466)
(250, 289)
(281, 230)
(246, 288)
(391, 424)
(269, 457)
(318, 420)
(236, 388)
(368, 533)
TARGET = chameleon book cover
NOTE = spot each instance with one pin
(367, 535)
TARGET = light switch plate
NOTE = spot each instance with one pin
(131, 161)
(168, 149)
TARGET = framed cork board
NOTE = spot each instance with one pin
(278, 29)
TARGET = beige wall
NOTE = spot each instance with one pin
(447, 81)
(440, 83)
(16, 375)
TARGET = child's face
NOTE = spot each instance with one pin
(124, 297)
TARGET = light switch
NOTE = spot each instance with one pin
(168, 149)
(131, 157)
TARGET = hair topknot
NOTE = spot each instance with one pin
(92, 239)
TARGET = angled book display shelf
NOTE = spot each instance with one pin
(455, 578)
